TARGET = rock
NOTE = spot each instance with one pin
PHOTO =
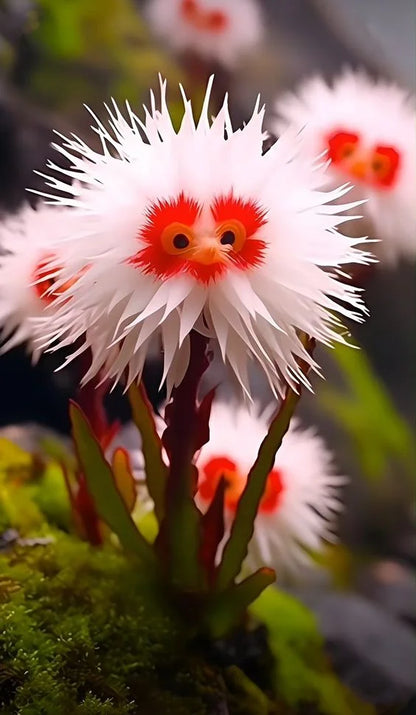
(392, 586)
(371, 650)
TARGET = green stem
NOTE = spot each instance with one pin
(242, 529)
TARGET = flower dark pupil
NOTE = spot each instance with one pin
(180, 240)
(228, 238)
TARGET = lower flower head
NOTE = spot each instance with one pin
(301, 498)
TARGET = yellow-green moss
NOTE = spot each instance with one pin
(80, 633)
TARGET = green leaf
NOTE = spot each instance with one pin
(102, 487)
(364, 409)
(228, 607)
(242, 529)
(155, 468)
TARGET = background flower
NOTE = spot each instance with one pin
(367, 128)
(219, 31)
(30, 261)
(301, 499)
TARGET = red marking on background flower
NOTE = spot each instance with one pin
(213, 470)
(342, 144)
(206, 20)
(377, 167)
(274, 488)
(222, 466)
(385, 165)
(44, 279)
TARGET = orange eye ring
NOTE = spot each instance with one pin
(232, 233)
(177, 238)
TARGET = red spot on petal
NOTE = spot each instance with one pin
(212, 472)
(249, 213)
(223, 466)
(175, 245)
(272, 495)
(341, 145)
(44, 278)
(206, 20)
(385, 165)
(159, 216)
(162, 213)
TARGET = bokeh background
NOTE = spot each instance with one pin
(57, 55)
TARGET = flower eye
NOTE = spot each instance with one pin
(180, 241)
(232, 233)
(176, 237)
(227, 238)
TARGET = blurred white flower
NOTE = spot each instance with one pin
(198, 229)
(30, 258)
(368, 128)
(217, 30)
(301, 499)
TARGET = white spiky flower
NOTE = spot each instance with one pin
(369, 130)
(220, 31)
(198, 229)
(30, 254)
(301, 500)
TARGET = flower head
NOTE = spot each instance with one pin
(198, 229)
(367, 129)
(216, 30)
(30, 263)
(297, 510)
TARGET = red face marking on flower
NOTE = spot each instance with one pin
(214, 21)
(341, 145)
(221, 466)
(273, 492)
(181, 239)
(44, 278)
(212, 471)
(377, 167)
(385, 164)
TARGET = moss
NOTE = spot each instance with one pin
(303, 677)
(81, 633)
